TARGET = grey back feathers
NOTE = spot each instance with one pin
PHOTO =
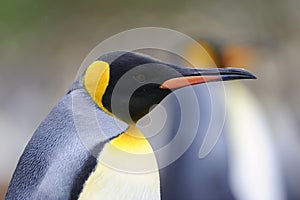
(62, 152)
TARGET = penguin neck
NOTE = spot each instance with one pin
(126, 169)
(132, 141)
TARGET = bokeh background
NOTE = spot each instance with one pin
(42, 44)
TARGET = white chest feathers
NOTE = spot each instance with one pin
(126, 170)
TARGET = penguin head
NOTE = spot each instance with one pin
(221, 53)
(127, 85)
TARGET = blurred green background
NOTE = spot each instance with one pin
(42, 44)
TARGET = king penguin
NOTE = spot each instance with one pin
(243, 163)
(83, 149)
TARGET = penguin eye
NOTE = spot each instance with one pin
(140, 78)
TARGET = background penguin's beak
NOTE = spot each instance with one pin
(192, 76)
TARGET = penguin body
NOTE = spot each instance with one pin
(55, 163)
(105, 179)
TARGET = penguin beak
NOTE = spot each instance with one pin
(193, 76)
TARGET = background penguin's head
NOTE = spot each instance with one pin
(128, 85)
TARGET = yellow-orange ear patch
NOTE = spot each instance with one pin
(96, 80)
(200, 55)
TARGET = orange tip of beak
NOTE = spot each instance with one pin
(180, 82)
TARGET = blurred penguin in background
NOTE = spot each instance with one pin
(285, 130)
(272, 114)
(243, 163)
(255, 167)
